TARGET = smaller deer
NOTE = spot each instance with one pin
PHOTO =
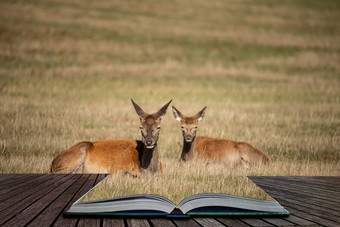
(116, 156)
(207, 149)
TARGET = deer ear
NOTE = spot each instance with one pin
(200, 114)
(138, 109)
(178, 115)
(162, 111)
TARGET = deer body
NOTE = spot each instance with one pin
(225, 151)
(116, 156)
(207, 149)
(107, 156)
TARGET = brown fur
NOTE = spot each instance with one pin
(229, 152)
(225, 151)
(72, 160)
(189, 120)
(104, 156)
(116, 156)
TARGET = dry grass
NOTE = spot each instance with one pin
(268, 72)
(178, 182)
(183, 180)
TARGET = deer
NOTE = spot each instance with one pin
(120, 156)
(213, 150)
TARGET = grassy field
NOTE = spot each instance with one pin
(268, 71)
(189, 183)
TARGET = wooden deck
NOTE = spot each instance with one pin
(41, 199)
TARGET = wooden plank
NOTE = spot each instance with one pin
(15, 181)
(310, 210)
(4, 176)
(27, 198)
(108, 222)
(185, 223)
(324, 182)
(208, 222)
(299, 221)
(300, 197)
(275, 193)
(302, 183)
(35, 186)
(306, 202)
(48, 216)
(312, 217)
(12, 183)
(232, 222)
(255, 222)
(308, 183)
(90, 222)
(301, 186)
(295, 190)
(278, 222)
(19, 177)
(22, 185)
(24, 217)
(304, 213)
(132, 222)
(9, 177)
(161, 222)
(72, 221)
(296, 205)
(336, 179)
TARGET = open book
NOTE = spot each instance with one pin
(92, 203)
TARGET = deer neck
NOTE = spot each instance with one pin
(150, 159)
(188, 150)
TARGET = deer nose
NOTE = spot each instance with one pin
(188, 137)
(148, 142)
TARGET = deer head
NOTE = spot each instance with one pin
(188, 124)
(150, 124)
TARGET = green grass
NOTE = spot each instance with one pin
(268, 72)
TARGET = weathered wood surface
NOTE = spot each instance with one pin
(41, 199)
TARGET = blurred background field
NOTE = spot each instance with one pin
(268, 71)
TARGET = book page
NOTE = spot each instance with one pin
(177, 183)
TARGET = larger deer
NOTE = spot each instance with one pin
(207, 149)
(116, 156)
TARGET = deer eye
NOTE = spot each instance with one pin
(159, 127)
(143, 133)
